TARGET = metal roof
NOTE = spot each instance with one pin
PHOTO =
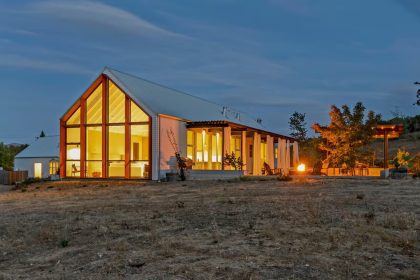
(46, 147)
(159, 99)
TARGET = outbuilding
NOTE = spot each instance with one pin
(119, 128)
(41, 158)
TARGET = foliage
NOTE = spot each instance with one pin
(345, 139)
(181, 162)
(417, 95)
(231, 160)
(7, 155)
(297, 125)
(402, 159)
(411, 124)
(309, 152)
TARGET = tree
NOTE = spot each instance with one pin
(297, 125)
(345, 139)
(418, 95)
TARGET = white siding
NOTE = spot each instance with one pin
(179, 129)
(27, 164)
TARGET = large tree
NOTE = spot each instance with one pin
(297, 125)
(345, 139)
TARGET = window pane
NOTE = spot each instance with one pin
(139, 169)
(94, 106)
(137, 114)
(73, 168)
(75, 118)
(116, 143)
(139, 142)
(73, 135)
(116, 169)
(190, 137)
(94, 169)
(73, 152)
(94, 143)
(116, 105)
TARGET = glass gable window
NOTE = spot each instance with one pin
(94, 107)
(139, 159)
(75, 118)
(119, 147)
(137, 114)
(116, 151)
(116, 104)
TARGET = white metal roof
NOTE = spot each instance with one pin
(159, 99)
(48, 146)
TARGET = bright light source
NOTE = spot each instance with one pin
(301, 167)
(73, 154)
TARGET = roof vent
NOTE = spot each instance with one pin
(224, 111)
(238, 116)
(259, 120)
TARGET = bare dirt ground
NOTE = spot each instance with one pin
(304, 229)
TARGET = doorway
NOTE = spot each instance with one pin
(37, 170)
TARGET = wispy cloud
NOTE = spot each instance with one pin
(92, 14)
(18, 61)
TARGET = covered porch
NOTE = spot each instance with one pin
(209, 141)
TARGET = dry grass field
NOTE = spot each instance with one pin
(304, 229)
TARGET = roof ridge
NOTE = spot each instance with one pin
(181, 92)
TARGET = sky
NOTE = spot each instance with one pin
(268, 58)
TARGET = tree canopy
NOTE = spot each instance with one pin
(345, 139)
(297, 125)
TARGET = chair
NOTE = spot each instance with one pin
(74, 170)
(271, 171)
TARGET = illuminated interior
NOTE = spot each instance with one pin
(125, 155)
(53, 167)
(235, 145)
(204, 147)
(263, 152)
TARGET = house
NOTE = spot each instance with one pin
(119, 128)
(41, 158)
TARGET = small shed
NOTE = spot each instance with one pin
(41, 158)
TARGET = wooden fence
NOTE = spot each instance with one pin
(11, 177)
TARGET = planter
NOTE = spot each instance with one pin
(398, 173)
(171, 177)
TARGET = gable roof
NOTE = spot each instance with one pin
(159, 99)
(43, 147)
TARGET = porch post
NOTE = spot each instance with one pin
(270, 151)
(226, 144)
(295, 153)
(279, 153)
(287, 158)
(244, 152)
(257, 154)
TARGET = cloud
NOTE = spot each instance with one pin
(92, 14)
(18, 61)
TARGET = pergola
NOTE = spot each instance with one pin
(388, 131)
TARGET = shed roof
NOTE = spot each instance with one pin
(159, 99)
(43, 147)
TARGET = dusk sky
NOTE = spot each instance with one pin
(267, 57)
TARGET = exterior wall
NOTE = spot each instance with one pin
(27, 164)
(166, 152)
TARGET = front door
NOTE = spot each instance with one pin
(249, 155)
(37, 170)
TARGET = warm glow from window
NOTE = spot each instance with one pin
(137, 114)
(116, 104)
(264, 152)
(94, 107)
(73, 153)
(75, 118)
(53, 167)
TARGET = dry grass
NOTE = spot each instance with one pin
(316, 229)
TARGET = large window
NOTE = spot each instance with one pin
(118, 147)
(93, 151)
(204, 147)
(53, 167)
(116, 151)
(235, 145)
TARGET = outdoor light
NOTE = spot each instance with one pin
(301, 167)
